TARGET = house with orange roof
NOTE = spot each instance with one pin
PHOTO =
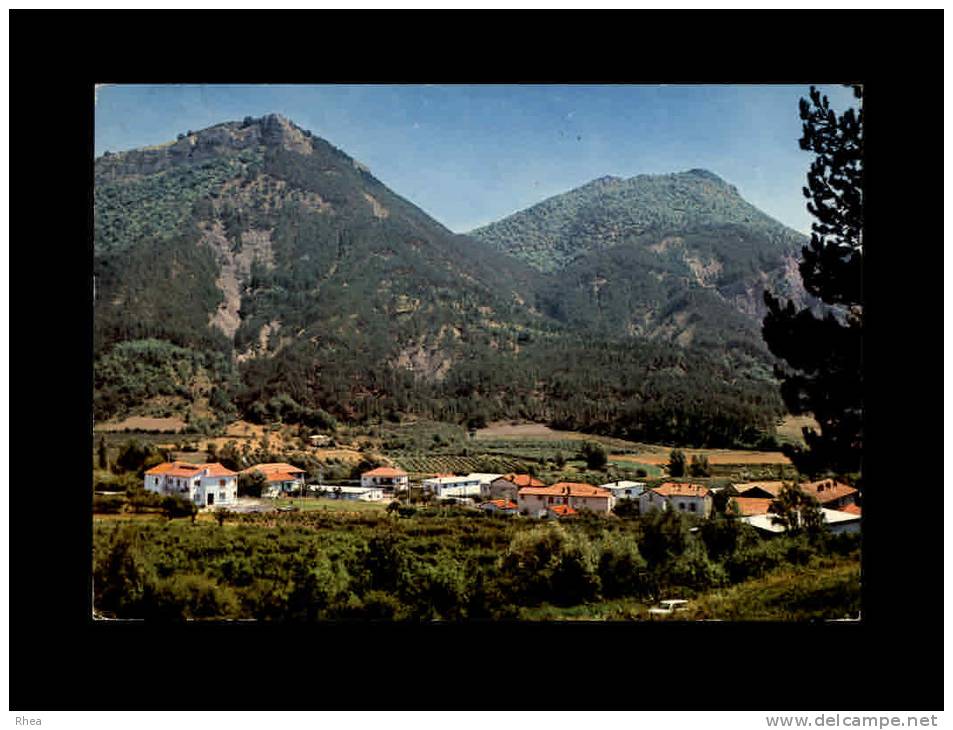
(203, 484)
(764, 490)
(509, 485)
(535, 501)
(831, 494)
(500, 506)
(747, 506)
(387, 478)
(693, 499)
(280, 478)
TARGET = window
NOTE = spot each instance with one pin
(692, 506)
(221, 482)
(550, 500)
(221, 495)
(681, 506)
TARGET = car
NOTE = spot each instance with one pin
(669, 606)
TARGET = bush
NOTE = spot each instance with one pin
(621, 567)
(595, 456)
(549, 563)
(182, 597)
(176, 506)
(693, 569)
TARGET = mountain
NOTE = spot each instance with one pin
(680, 257)
(253, 269)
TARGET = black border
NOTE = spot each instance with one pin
(60, 660)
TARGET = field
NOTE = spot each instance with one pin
(145, 423)
(790, 429)
(719, 457)
(440, 464)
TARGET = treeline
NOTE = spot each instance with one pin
(437, 567)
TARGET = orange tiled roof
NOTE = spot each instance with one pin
(523, 480)
(188, 469)
(827, 490)
(282, 476)
(176, 469)
(275, 467)
(770, 487)
(575, 489)
(677, 489)
(752, 505)
(851, 508)
(217, 470)
(562, 510)
(385, 471)
(502, 504)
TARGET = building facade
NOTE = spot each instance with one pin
(387, 478)
(508, 486)
(536, 501)
(693, 499)
(206, 485)
(281, 478)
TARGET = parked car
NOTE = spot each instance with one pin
(669, 606)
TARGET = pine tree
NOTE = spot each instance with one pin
(676, 463)
(823, 374)
(103, 459)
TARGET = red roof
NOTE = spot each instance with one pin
(280, 466)
(562, 510)
(217, 470)
(678, 489)
(752, 505)
(502, 504)
(851, 508)
(573, 489)
(827, 490)
(188, 469)
(523, 480)
(773, 488)
(385, 471)
(281, 476)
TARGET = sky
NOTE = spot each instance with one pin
(472, 154)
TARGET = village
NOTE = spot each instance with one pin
(212, 486)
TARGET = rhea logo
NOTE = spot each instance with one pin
(21, 720)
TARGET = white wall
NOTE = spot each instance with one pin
(399, 482)
(213, 485)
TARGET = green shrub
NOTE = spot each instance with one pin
(621, 567)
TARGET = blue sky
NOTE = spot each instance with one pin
(470, 155)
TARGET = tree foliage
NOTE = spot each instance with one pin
(823, 368)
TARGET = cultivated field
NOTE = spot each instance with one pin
(144, 423)
(715, 457)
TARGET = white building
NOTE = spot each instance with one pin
(361, 494)
(387, 478)
(443, 487)
(625, 490)
(694, 499)
(485, 481)
(835, 521)
(202, 484)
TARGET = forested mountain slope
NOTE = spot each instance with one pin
(680, 257)
(253, 269)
